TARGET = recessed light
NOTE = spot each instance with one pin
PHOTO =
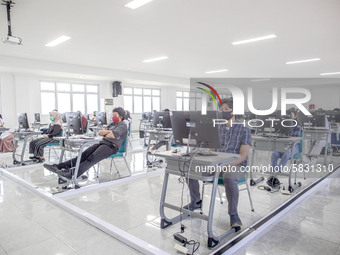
(335, 73)
(154, 59)
(58, 41)
(258, 80)
(302, 61)
(254, 39)
(217, 71)
(137, 3)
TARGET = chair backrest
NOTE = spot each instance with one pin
(122, 148)
(300, 144)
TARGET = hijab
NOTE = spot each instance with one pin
(56, 119)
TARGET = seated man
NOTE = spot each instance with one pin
(234, 139)
(296, 131)
(113, 137)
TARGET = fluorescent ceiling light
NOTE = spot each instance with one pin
(154, 59)
(330, 73)
(137, 3)
(218, 71)
(58, 41)
(254, 39)
(302, 61)
(258, 80)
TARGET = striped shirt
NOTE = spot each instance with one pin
(232, 138)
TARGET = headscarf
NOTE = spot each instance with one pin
(56, 119)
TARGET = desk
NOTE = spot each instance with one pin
(159, 136)
(316, 135)
(17, 136)
(38, 125)
(173, 161)
(75, 145)
(274, 144)
(3, 129)
(96, 129)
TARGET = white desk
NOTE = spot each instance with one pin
(173, 162)
(26, 135)
(317, 135)
(75, 145)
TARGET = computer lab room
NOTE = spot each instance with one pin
(169, 127)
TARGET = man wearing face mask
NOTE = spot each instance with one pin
(234, 138)
(113, 137)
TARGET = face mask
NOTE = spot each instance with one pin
(227, 115)
(115, 119)
(51, 118)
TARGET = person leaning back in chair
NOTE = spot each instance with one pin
(113, 137)
(234, 139)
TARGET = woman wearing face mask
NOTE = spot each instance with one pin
(36, 147)
(113, 137)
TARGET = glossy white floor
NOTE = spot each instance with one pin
(131, 204)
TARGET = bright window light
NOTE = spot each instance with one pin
(302, 61)
(155, 59)
(58, 41)
(335, 73)
(137, 3)
(217, 71)
(254, 39)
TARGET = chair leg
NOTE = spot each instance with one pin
(220, 195)
(203, 186)
(49, 154)
(114, 163)
(250, 199)
(127, 165)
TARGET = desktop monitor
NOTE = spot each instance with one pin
(63, 117)
(87, 116)
(304, 120)
(74, 123)
(23, 121)
(333, 117)
(200, 127)
(268, 125)
(162, 118)
(101, 118)
(285, 129)
(319, 119)
(36, 117)
(147, 116)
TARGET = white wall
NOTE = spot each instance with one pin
(21, 93)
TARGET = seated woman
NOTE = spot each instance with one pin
(285, 157)
(36, 147)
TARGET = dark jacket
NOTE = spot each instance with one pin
(54, 130)
(119, 131)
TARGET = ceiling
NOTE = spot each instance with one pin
(196, 35)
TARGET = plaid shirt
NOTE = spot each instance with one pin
(232, 138)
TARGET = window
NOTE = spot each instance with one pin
(186, 101)
(69, 97)
(138, 100)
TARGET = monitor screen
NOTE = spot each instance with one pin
(23, 121)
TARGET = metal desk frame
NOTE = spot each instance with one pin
(75, 145)
(26, 135)
(314, 134)
(172, 168)
(274, 144)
